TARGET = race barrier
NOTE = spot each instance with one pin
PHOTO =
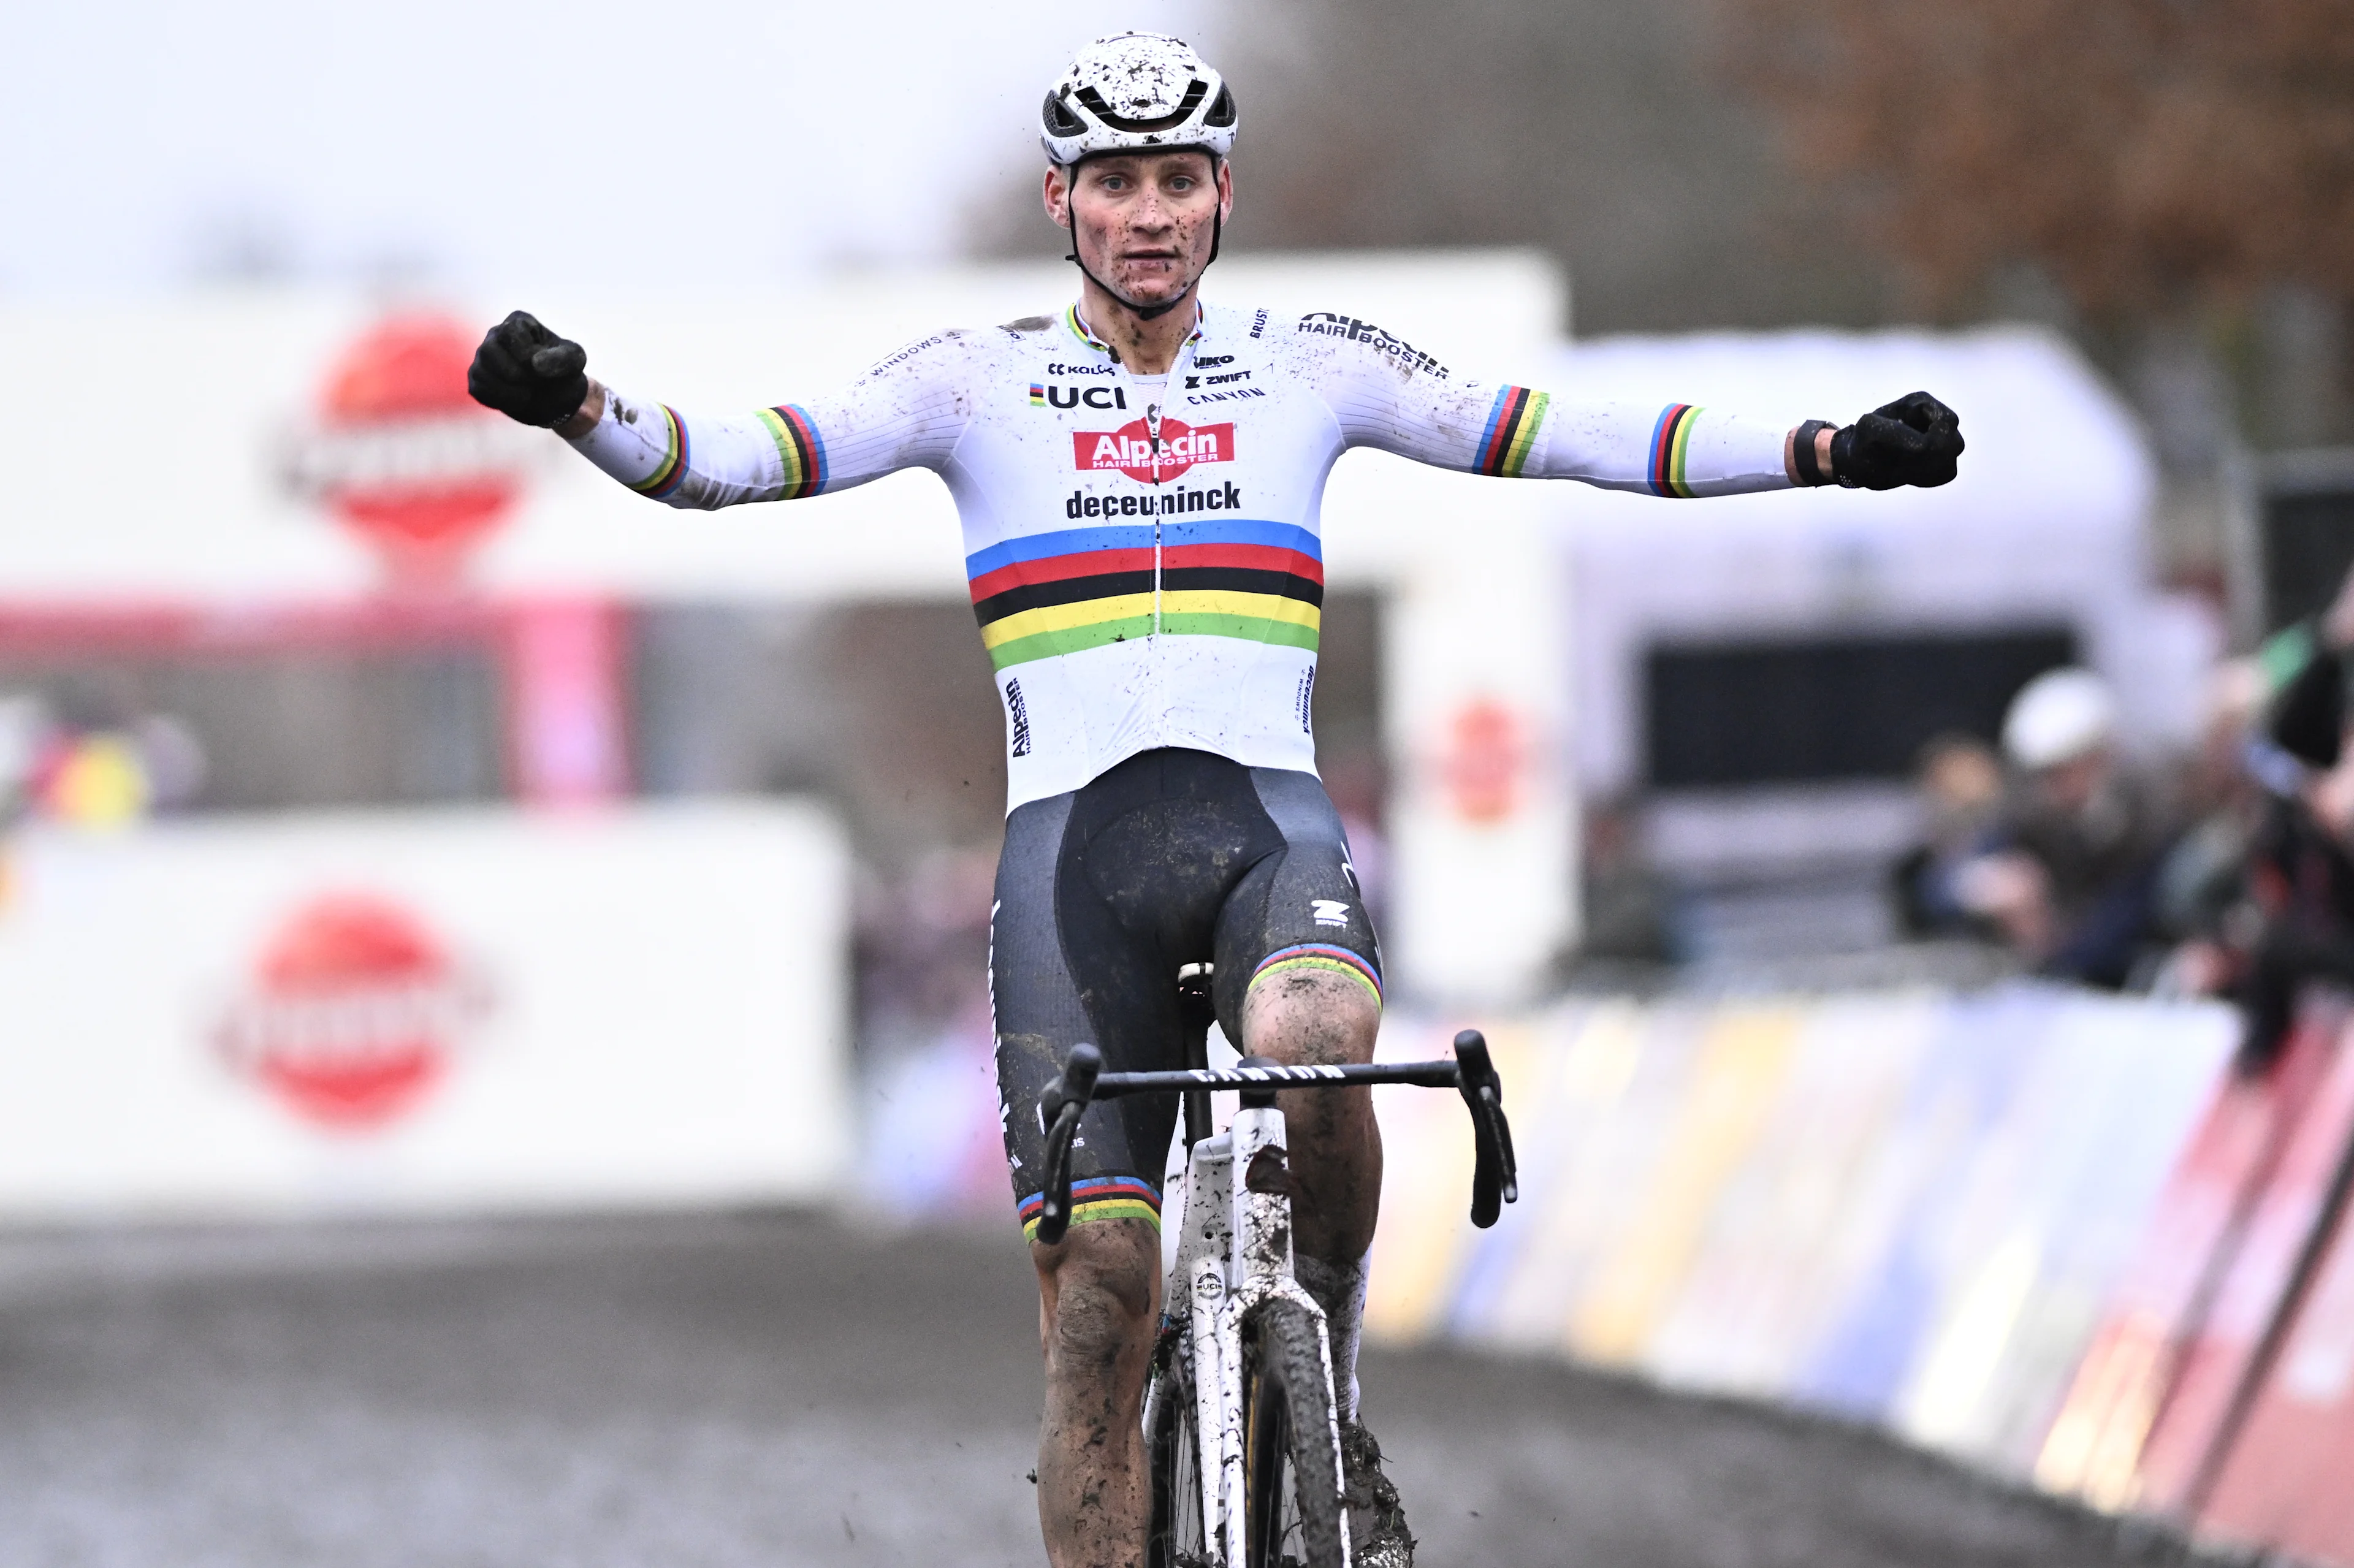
(2055, 1233)
(1903, 1209)
(461, 1011)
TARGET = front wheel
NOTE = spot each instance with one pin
(1173, 1451)
(1291, 1459)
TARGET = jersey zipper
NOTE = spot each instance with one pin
(1153, 414)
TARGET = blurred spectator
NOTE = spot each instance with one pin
(1960, 783)
(23, 723)
(2202, 884)
(1627, 908)
(2070, 873)
(2297, 923)
(100, 777)
(921, 947)
(24, 729)
(173, 759)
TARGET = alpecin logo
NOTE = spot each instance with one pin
(1130, 449)
(1017, 713)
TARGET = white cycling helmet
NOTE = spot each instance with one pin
(2058, 716)
(1133, 92)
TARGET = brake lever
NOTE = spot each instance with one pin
(1060, 1108)
(1495, 1173)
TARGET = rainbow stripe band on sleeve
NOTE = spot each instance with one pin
(1100, 1198)
(1669, 438)
(1511, 430)
(800, 448)
(672, 470)
(1320, 956)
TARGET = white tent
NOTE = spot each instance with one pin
(2046, 524)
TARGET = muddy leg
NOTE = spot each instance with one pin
(1315, 1017)
(1312, 1017)
(1098, 1300)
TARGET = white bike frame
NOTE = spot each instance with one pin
(1233, 1252)
(1234, 1240)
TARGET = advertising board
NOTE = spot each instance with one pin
(443, 1010)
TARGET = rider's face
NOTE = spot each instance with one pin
(1144, 221)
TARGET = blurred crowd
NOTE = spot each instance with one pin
(2228, 872)
(94, 773)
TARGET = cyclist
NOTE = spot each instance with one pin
(1139, 479)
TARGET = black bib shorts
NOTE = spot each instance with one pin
(1171, 857)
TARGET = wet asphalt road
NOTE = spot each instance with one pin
(721, 1392)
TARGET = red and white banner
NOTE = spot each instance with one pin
(470, 1010)
(2194, 1427)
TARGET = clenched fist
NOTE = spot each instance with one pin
(1914, 441)
(529, 374)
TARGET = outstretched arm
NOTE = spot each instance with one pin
(1406, 403)
(894, 417)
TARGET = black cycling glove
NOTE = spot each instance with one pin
(1914, 441)
(529, 374)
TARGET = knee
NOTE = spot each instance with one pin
(1097, 1290)
(1310, 1016)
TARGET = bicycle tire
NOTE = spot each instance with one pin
(1291, 1457)
(1173, 1456)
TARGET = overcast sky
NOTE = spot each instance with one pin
(496, 141)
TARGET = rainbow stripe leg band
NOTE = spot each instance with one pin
(1316, 955)
(1100, 1198)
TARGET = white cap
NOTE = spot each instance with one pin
(1137, 93)
(2058, 717)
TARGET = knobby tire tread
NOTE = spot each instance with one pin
(1284, 1358)
(1176, 1511)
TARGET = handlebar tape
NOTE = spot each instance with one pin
(1494, 1179)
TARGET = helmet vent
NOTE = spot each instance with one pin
(1195, 92)
(1060, 120)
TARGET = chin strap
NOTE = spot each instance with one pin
(1141, 312)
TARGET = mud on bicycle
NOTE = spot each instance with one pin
(1241, 1423)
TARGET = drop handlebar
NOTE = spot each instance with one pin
(1494, 1175)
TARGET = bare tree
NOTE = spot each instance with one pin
(2147, 155)
(2181, 172)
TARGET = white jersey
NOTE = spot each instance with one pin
(1147, 568)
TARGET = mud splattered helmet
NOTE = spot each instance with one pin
(1135, 91)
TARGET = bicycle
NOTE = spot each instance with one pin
(1242, 1431)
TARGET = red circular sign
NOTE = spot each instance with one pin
(1487, 761)
(355, 1010)
(403, 456)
